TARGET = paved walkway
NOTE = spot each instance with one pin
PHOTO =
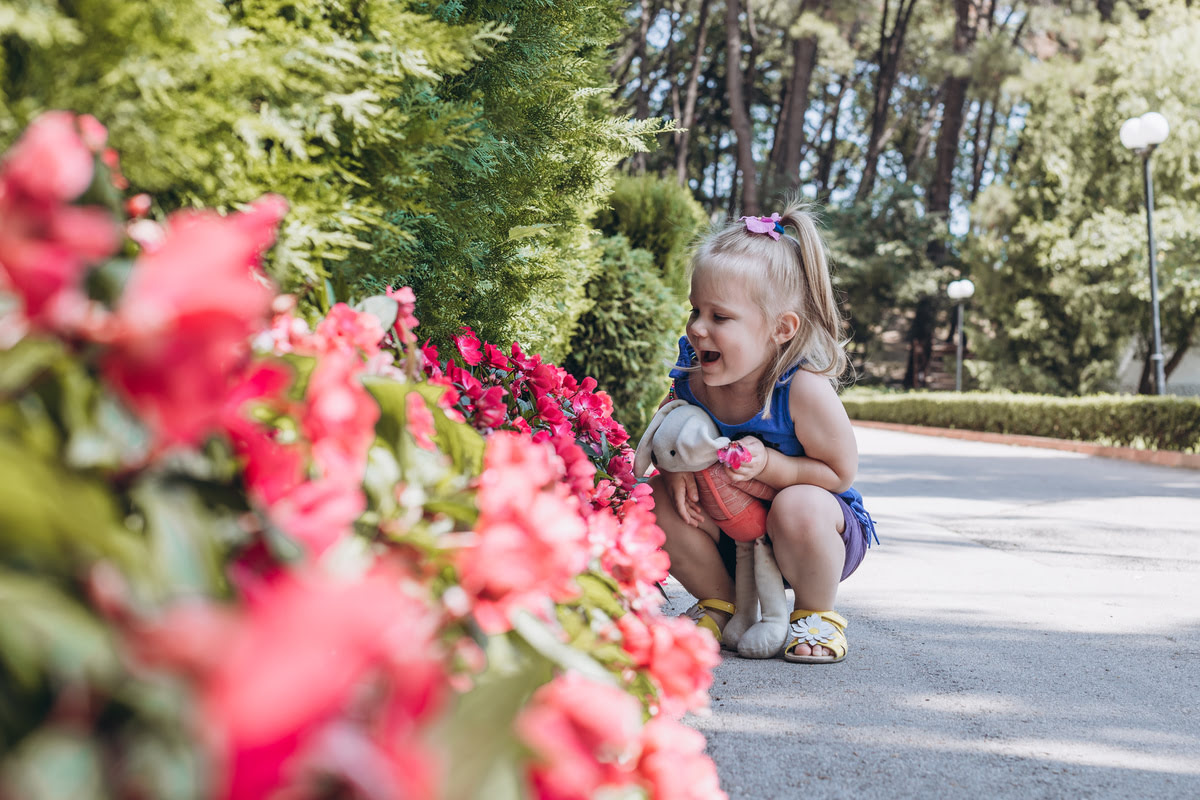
(1030, 628)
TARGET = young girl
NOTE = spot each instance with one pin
(762, 355)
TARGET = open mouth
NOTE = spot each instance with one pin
(709, 356)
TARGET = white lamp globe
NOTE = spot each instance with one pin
(1155, 127)
(1133, 135)
(960, 290)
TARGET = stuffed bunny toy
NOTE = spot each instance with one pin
(683, 438)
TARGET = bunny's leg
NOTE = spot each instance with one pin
(747, 598)
(768, 637)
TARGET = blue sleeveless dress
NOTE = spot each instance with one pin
(777, 432)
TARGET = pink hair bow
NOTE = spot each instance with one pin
(768, 225)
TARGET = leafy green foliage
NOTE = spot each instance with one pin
(456, 147)
(657, 215)
(1067, 232)
(1159, 423)
(625, 340)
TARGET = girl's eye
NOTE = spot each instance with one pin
(719, 318)
(694, 312)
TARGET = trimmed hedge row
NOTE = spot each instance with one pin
(1154, 423)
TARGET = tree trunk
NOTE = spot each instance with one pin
(828, 150)
(954, 99)
(804, 61)
(891, 44)
(689, 102)
(738, 112)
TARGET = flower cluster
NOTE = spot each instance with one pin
(327, 531)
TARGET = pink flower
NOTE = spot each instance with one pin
(50, 162)
(530, 538)
(469, 347)
(734, 455)
(490, 408)
(339, 416)
(138, 206)
(494, 358)
(406, 319)
(677, 655)
(583, 736)
(46, 245)
(635, 557)
(763, 225)
(429, 356)
(319, 513)
(419, 420)
(185, 317)
(349, 329)
(292, 676)
(523, 362)
(673, 765)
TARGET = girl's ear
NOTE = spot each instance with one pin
(786, 327)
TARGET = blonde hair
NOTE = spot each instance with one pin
(791, 274)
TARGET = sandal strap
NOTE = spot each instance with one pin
(706, 622)
(718, 605)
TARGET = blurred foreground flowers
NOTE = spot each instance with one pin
(243, 557)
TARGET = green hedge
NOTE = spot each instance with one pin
(1156, 423)
(626, 341)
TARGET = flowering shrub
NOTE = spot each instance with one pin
(242, 556)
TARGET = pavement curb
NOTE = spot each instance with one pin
(1161, 458)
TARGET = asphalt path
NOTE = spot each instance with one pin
(1028, 628)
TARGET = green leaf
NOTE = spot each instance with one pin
(25, 360)
(538, 635)
(383, 308)
(55, 763)
(184, 535)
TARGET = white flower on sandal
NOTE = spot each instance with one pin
(813, 630)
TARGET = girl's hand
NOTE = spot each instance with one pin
(749, 469)
(681, 487)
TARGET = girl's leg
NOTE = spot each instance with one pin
(695, 560)
(805, 524)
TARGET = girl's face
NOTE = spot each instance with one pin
(729, 332)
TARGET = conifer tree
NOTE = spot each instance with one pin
(465, 142)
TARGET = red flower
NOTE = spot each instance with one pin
(582, 734)
(494, 358)
(185, 317)
(469, 347)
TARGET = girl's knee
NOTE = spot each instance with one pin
(803, 511)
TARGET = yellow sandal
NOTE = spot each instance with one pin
(703, 620)
(824, 628)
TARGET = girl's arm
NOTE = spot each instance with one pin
(830, 457)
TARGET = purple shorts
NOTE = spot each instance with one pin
(854, 537)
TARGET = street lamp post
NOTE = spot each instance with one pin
(959, 291)
(1141, 135)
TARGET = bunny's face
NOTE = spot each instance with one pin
(680, 438)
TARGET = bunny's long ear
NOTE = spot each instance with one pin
(641, 459)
